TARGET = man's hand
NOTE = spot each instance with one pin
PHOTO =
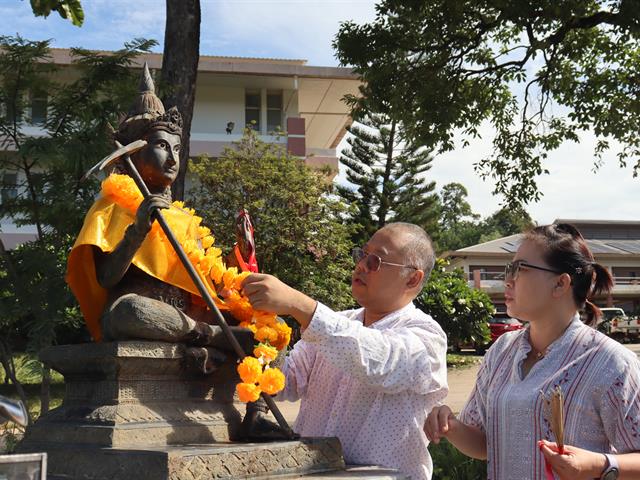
(266, 292)
(575, 463)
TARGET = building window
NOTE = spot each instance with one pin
(12, 113)
(274, 111)
(38, 101)
(252, 101)
(9, 186)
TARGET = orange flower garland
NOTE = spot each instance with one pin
(255, 373)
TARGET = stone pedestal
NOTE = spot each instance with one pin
(132, 410)
(137, 393)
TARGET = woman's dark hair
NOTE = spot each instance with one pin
(566, 250)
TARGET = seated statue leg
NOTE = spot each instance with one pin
(134, 316)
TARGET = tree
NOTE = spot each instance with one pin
(35, 300)
(460, 227)
(455, 207)
(387, 175)
(458, 224)
(67, 9)
(538, 72)
(462, 311)
(504, 222)
(179, 71)
(299, 234)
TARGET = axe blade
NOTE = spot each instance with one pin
(114, 156)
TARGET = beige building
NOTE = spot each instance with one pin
(301, 102)
(615, 245)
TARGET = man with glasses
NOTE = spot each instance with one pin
(367, 376)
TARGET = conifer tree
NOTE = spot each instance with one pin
(387, 177)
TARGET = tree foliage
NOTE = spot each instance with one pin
(387, 176)
(300, 236)
(35, 301)
(462, 311)
(460, 227)
(67, 9)
(539, 72)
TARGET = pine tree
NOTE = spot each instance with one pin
(387, 178)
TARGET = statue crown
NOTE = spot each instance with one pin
(148, 114)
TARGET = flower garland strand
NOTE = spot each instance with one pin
(255, 372)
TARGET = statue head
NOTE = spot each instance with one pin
(158, 162)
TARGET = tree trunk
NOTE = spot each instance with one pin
(45, 391)
(179, 71)
(385, 201)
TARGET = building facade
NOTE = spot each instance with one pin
(286, 101)
(615, 245)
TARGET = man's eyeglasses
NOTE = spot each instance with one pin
(512, 269)
(373, 262)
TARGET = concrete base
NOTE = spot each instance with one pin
(125, 394)
(352, 472)
(197, 462)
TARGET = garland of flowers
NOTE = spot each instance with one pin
(255, 372)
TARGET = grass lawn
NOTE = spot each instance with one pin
(462, 360)
(29, 373)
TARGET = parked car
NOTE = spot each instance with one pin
(497, 327)
(502, 325)
(616, 324)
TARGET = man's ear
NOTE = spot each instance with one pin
(563, 284)
(415, 279)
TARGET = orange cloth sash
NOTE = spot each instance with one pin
(104, 227)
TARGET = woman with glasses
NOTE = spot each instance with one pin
(507, 419)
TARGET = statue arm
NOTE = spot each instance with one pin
(112, 266)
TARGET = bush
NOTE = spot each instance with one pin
(451, 464)
(299, 230)
(462, 311)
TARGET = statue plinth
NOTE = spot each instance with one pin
(132, 410)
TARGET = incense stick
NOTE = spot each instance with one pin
(555, 409)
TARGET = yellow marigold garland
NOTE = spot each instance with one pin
(256, 374)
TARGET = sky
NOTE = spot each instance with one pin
(304, 29)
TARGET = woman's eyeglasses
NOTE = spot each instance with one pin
(512, 269)
(373, 262)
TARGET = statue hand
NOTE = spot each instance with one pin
(145, 210)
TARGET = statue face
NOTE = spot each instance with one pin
(159, 161)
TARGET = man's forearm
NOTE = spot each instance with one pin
(302, 308)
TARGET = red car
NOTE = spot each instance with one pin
(500, 325)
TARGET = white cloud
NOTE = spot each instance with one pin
(571, 190)
(302, 29)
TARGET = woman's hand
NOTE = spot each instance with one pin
(439, 423)
(575, 463)
(469, 439)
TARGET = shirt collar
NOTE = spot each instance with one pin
(564, 339)
(388, 319)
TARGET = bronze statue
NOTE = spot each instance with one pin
(123, 293)
(137, 304)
